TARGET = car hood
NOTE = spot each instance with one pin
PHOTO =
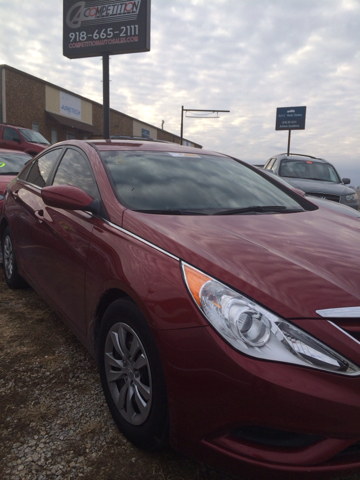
(335, 206)
(293, 264)
(317, 186)
(41, 145)
(36, 147)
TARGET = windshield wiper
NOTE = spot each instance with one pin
(259, 209)
(9, 173)
(172, 212)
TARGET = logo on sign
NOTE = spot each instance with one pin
(70, 105)
(85, 13)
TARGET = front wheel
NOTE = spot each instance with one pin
(132, 376)
(12, 277)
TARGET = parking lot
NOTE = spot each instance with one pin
(55, 422)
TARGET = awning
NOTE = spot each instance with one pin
(71, 122)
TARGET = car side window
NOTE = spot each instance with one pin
(23, 175)
(269, 165)
(75, 169)
(11, 134)
(41, 168)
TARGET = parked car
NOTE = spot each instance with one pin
(22, 139)
(222, 307)
(321, 202)
(315, 176)
(10, 165)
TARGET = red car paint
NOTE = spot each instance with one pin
(292, 264)
(16, 138)
(6, 178)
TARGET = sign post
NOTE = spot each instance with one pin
(106, 95)
(290, 118)
(102, 28)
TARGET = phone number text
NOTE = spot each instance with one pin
(104, 33)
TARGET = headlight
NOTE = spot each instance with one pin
(255, 331)
(351, 197)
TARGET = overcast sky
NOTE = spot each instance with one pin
(246, 56)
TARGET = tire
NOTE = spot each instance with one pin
(132, 377)
(12, 277)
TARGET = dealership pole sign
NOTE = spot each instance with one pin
(93, 28)
(290, 118)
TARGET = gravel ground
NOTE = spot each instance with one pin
(54, 420)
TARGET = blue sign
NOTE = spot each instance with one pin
(145, 133)
(290, 118)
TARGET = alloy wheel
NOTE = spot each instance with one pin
(128, 373)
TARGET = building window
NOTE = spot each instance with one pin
(70, 136)
(35, 126)
(54, 137)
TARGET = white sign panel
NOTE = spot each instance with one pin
(70, 105)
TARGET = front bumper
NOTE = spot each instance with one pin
(216, 394)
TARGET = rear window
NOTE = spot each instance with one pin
(161, 181)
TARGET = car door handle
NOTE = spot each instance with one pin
(15, 194)
(39, 214)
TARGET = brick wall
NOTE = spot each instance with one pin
(26, 102)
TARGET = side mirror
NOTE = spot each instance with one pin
(346, 181)
(66, 197)
(16, 139)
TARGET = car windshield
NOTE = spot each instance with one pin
(12, 163)
(181, 183)
(309, 170)
(32, 136)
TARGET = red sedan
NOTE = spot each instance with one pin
(222, 307)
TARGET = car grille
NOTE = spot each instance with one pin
(327, 196)
(352, 450)
(275, 438)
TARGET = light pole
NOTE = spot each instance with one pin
(195, 110)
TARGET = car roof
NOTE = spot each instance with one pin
(300, 157)
(141, 144)
(13, 125)
(133, 137)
